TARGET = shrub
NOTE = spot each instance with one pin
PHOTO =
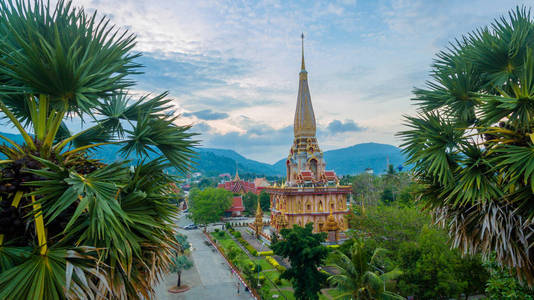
(216, 229)
(278, 280)
(232, 252)
(275, 264)
(248, 246)
(236, 234)
(265, 253)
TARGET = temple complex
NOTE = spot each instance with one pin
(240, 187)
(311, 193)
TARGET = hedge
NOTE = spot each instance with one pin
(265, 253)
(275, 264)
(248, 246)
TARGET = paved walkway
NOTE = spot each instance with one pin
(253, 241)
(210, 277)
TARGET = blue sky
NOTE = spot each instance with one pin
(232, 66)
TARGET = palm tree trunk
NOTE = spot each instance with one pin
(179, 279)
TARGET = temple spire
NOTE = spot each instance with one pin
(236, 172)
(304, 125)
(302, 66)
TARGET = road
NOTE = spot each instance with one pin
(209, 278)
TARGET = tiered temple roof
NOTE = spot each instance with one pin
(239, 186)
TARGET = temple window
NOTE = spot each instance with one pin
(332, 205)
(320, 205)
(313, 167)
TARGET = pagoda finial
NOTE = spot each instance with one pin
(236, 172)
(304, 125)
(302, 67)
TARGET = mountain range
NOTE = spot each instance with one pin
(212, 161)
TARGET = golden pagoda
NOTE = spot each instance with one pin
(310, 191)
(258, 223)
(331, 227)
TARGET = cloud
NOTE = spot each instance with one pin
(338, 126)
(207, 114)
(242, 58)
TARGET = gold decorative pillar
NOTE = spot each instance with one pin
(331, 227)
(258, 223)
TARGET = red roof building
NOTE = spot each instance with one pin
(237, 206)
(238, 186)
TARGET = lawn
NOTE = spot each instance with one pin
(265, 265)
(273, 275)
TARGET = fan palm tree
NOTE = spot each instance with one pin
(360, 277)
(70, 225)
(472, 143)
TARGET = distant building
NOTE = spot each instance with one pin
(311, 193)
(238, 186)
(241, 187)
(261, 184)
(237, 207)
(369, 171)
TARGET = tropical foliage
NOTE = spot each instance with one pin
(502, 285)
(305, 253)
(179, 264)
(361, 273)
(208, 205)
(472, 142)
(73, 227)
(430, 268)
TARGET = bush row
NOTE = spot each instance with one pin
(265, 253)
(248, 246)
(243, 242)
(275, 264)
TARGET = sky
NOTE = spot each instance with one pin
(232, 66)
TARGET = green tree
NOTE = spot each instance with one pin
(182, 241)
(205, 183)
(387, 196)
(420, 251)
(358, 277)
(208, 205)
(179, 264)
(265, 201)
(250, 201)
(430, 267)
(503, 285)
(390, 225)
(305, 252)
(73, 227)
(472, 143)
(365, 189)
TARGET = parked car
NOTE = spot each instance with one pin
(190, 226)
